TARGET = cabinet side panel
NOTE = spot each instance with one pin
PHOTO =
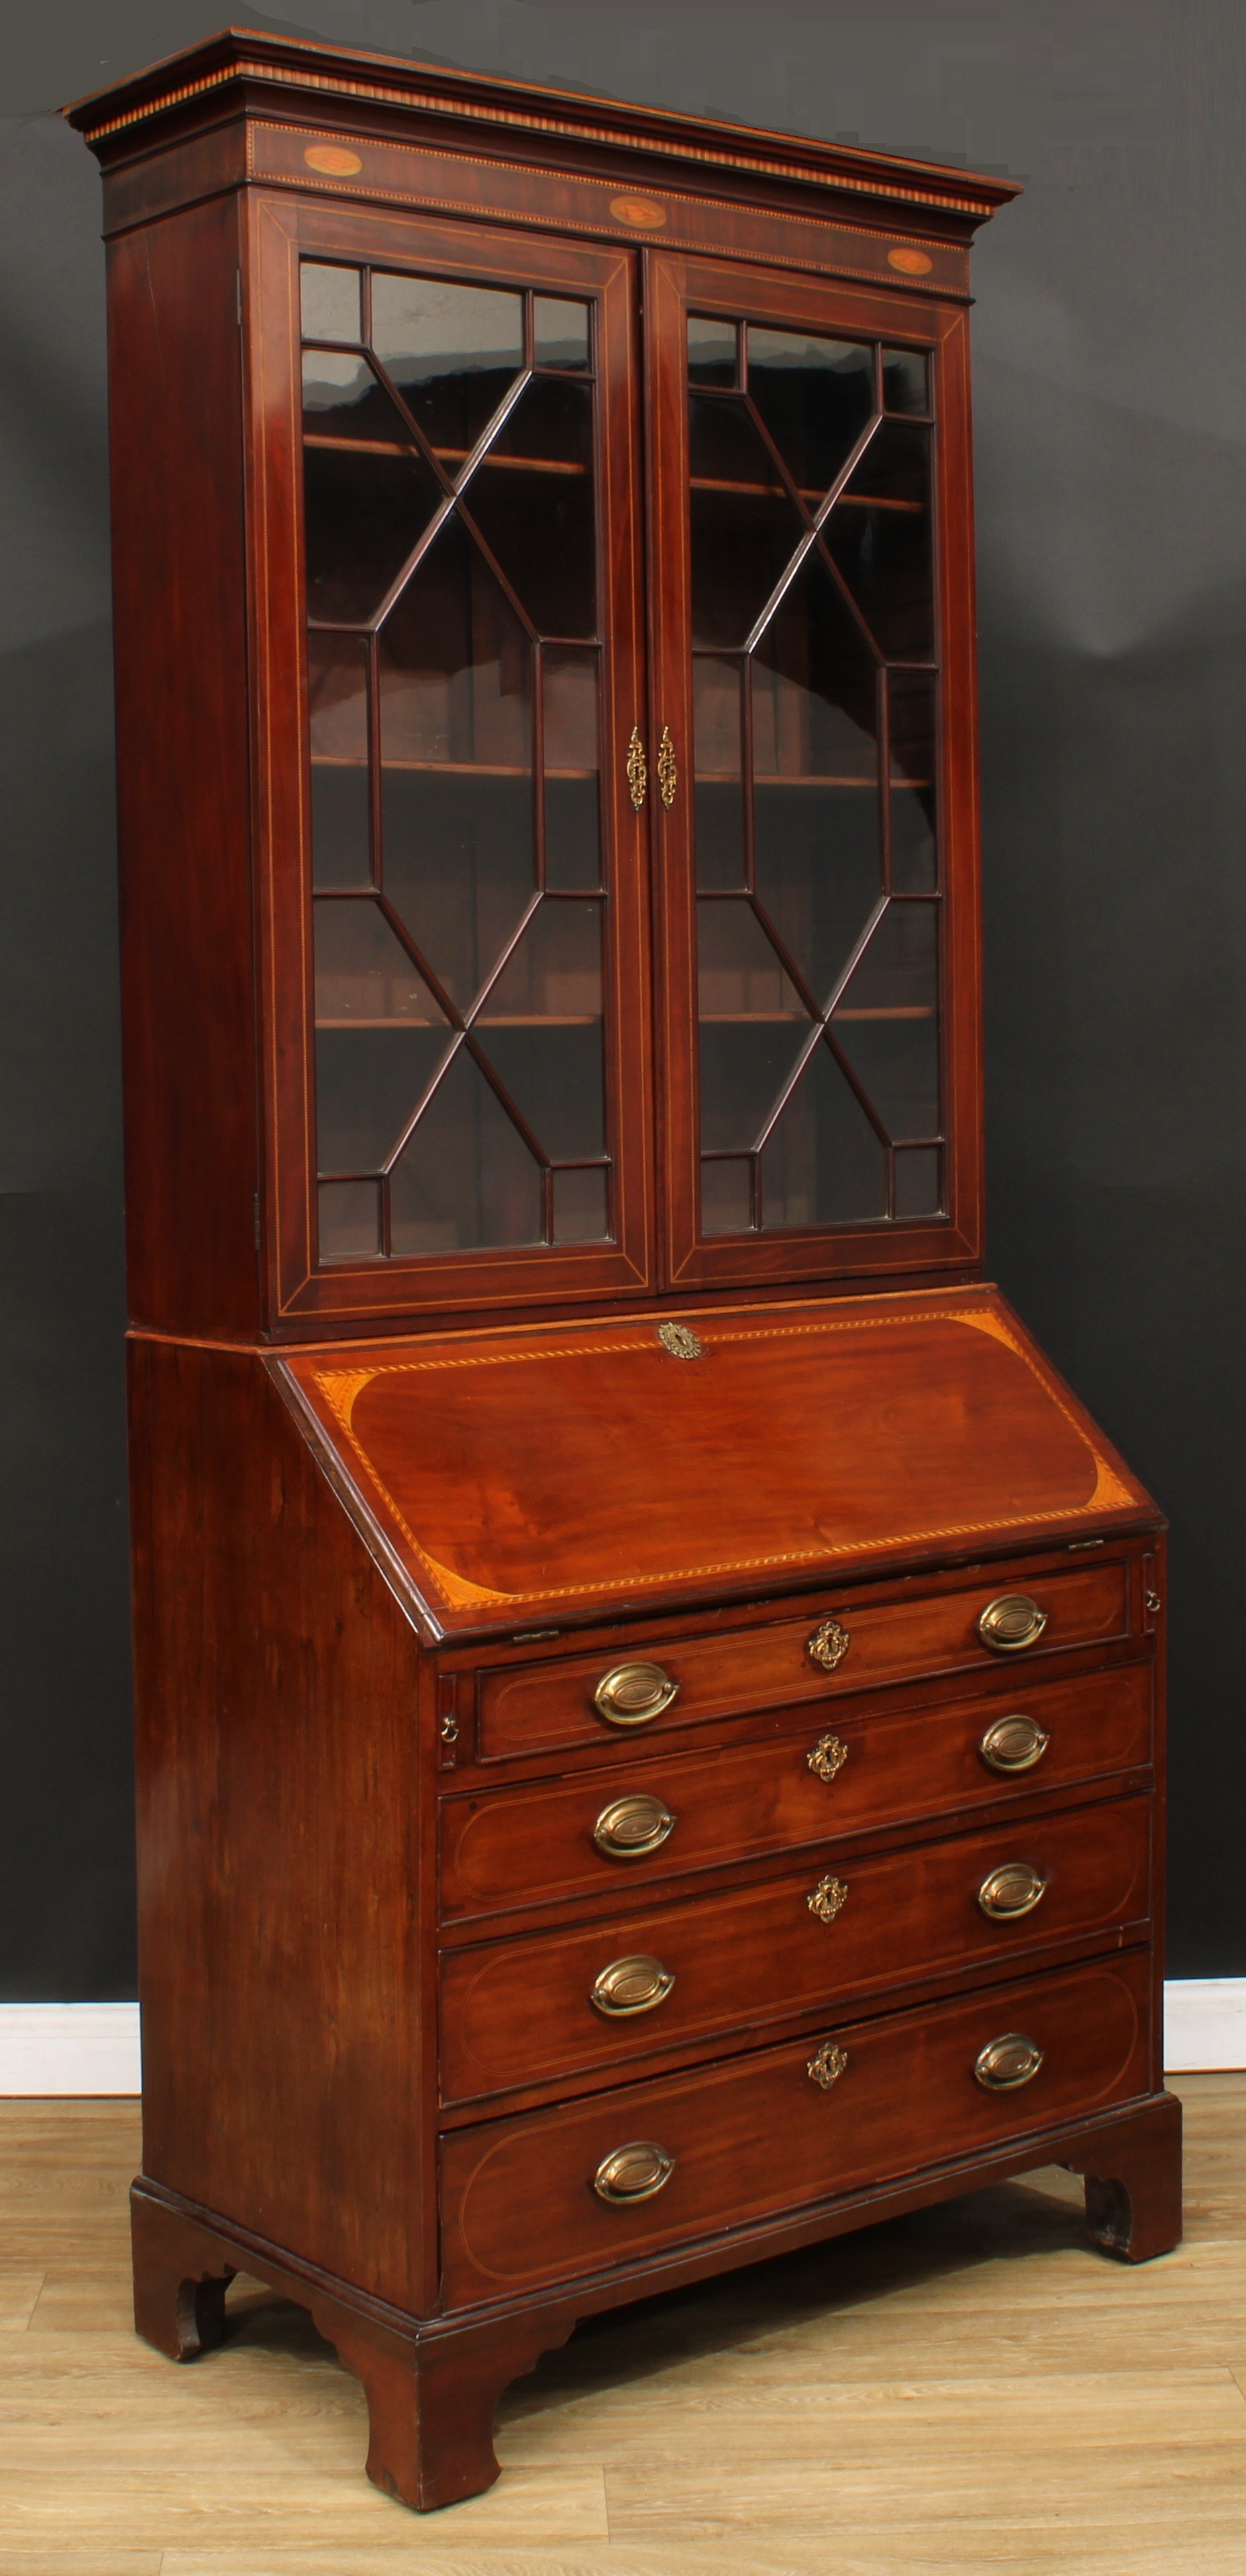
(183, 772)
(277, 1687)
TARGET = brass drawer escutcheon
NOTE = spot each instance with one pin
(827, 1898)
(631, 1694)
(1011, 1622)
(1005, 2064)
(630, 1827)
(1011, 1891)
(1014, 1744)
(633, 2172)
(827, 2067)
(829, 1644)
(828, 1757)
(629, 1986)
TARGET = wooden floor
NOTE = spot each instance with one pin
(969, 2389)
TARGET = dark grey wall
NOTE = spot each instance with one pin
(1111, 353)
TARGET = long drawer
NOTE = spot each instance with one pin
(590, 2185)
(527, 1708)
(517, 1847)
(558, 2004)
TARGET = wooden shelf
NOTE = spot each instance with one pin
(772, 778)
(446, 768)
(447, 455)
(778, 492)
(801, 1019)
(502, 1020)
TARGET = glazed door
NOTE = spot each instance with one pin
(459, 1102)
(814, 676)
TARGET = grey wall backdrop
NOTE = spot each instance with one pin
(1110, 383)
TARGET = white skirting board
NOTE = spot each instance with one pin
(92, 2049)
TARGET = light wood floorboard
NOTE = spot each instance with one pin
(970, 2389)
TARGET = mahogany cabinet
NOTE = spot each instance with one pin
(649, 1687)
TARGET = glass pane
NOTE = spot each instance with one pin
(456, 665)
(919, 1188)
(341, 823)
(712, 347)
(330, 300)
(580, 1207)
(906, 380)
(344, 399)
(823, 1165)
(914, 791)
(753, 1025)
(466, 1179)
(879, 535)
(815, 688)
(453, 352)
(337, 691)
(461, 1133)
(365, 509)
(379, 1037)
(815, 397)
(458, 836)
(887, 1022)
(541, 1030)
(364, 977)
(745, 527)
(559, 333)
(350, 1220)
(569, 680)
(719, 784)
(531, 496)
(726, 1197)
(818, 874)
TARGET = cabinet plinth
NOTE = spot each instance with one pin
(645, 1674)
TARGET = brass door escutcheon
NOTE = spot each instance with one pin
(630, 1827)
(827, 1899)
(829, 1644)
(1011, 1622)
(1005, 2064)
(668, 774)
(633, 2172)
(827, 2067)
(1011, 1891)
(631, 1694)
(828, 1757)
(1014, 1744)
(681, 1341)
(630, 1986)
(637, 769)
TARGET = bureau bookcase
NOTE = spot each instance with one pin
(648, 1684)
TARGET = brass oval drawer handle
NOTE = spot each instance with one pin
(829, 1644)
(1011, 1622)
(1014, 1744)
(633, 2172)
(627, 1986)
(1011, 1891)
(630, 1827)
(827, 2067)
(1008, 2062)
(827, 1898)
(631, 1694)
(828, 1757)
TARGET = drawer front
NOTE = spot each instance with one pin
(550, 2005)
(521, 2206)
(525, 1709)
(515, 1847)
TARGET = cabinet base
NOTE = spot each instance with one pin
(433, 2385)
